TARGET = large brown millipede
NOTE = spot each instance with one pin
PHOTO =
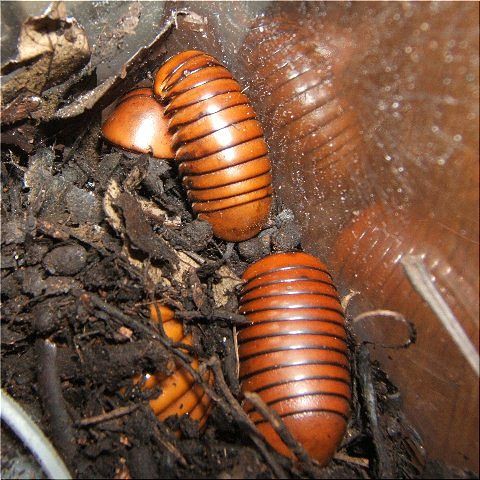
(294, 355)
(203, 120)
(218, 143)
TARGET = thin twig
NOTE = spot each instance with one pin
(237, 356)
(239, 414)
(347, 299)
(358, 461)
(280, 428)
(169, 446)
(53, 402)
(423, 284)
(216, 315)
(255, 436)
(384, 467)
(159, 325)
(195, 256)
(105, 417)
(228, 404)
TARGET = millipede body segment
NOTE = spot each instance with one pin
(180, 394)
(307, 109)
(294, 353)
(218, 143)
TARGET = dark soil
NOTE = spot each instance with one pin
(60, 250)
(90, 237)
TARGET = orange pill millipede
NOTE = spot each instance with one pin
(218, 142)
(180, 394)
(138, 124)
(294, 354)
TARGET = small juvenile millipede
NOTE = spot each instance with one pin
(294, 354)
(180, 394)
(218, 142)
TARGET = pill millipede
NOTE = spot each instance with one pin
(294, 354)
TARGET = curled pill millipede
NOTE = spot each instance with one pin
(180, 394)
(203, 120)
(218, 142)
(294, 353)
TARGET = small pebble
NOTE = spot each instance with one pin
(56, 285)
(153, 179)
(286, 238)
(254, 249)
(285, 216)
(13, 232)
(65, 260)
(10, 286)
(35, 253)
(45, 316)
(32, 282)
(84, 207)
(197, 234)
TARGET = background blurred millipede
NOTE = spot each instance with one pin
(308, 120)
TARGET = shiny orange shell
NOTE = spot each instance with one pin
(180, 394)
(218, 142)
(137, 123)
(294, 354)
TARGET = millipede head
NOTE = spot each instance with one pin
(138, 124)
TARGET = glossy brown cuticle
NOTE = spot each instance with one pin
(218, 142)
(308, 110)
(180, 394)
(294, 355)
(138, 124)
(314, 133)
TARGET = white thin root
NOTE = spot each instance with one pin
(32, 437)
(347, 299)
(397, 316)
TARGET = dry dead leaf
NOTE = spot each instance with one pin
(114, 218)
(184, 264)
(225, 288)
(197, 290)
(112, 86)
(51, 47)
